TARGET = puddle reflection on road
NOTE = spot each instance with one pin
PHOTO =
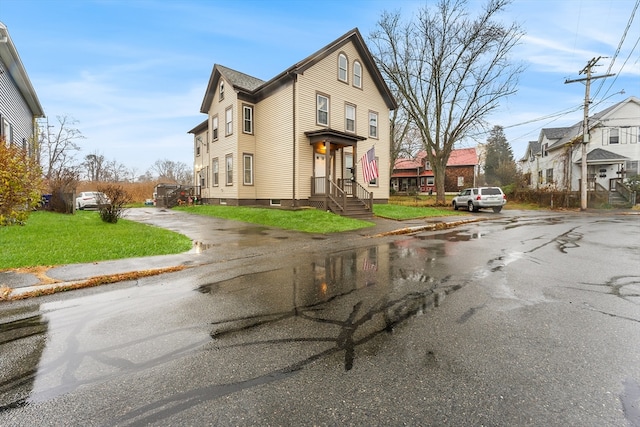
(331, 303)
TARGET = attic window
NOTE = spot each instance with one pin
(357, 74)
(343, 68)
(221, 91)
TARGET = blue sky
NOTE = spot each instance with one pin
(133, 73)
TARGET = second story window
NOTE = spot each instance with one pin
(221, 91)
(350, 118)
(247, 119)
(214, 128)
(373, 124)
(228, 119)
(614, 137)
(322, 108)
(343, 68)
(357, 74)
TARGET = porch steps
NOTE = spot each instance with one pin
(617, 200)
(354, 209)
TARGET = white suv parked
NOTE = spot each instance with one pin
(481, 197)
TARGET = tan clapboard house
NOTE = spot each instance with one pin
(299, 139)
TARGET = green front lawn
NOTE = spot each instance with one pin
(305, 220)
(53, 239)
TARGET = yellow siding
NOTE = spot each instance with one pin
(274, 150)
(323, 78)
(272, 143)
(225, 144)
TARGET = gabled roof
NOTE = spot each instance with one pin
(602, 156)
(566, 135)
(463, 157)
(253, 89)
(12, 63)
(533, 148)
(459, 157)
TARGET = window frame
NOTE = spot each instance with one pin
(247, 121)
(245, 157)
(215, 172)
(357, 76)
(613, 137)
(376, 127)
(214, 128)
(221, 90)
(228, 169)
(228, 121)
(318, 110)
(342, 57)
(350, 108)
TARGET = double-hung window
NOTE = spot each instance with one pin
(247, 169)
(614, 136)
(229, 169)
(350, 118)
(221, 91)
(322, 108)
(373, 124)
(357, 74)
(214, 172)
(343, 68)
(228, 119)
(247, 119)
(214, 128)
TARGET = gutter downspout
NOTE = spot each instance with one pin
(294, 76)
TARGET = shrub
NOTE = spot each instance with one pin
(118, 198)
(20, 184)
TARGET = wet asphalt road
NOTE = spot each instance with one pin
(524, 319)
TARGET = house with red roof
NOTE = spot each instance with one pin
(416, 174)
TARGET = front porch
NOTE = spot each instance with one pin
(345, 197)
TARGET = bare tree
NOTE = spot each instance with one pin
(94, 165)
(450, 69)
(58, 147)
(172, 172)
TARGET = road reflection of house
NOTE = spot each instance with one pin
(415, 174)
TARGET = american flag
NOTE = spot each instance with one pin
(369, 165)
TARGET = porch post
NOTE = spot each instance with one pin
(327, 169)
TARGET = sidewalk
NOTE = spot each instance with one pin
(26, 282)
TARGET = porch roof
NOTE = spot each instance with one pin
(600, 156)
(333, 136)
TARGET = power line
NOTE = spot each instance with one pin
(613, 59)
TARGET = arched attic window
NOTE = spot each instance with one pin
(343, 68)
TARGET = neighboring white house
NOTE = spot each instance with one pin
(613, 153)
(19, 105)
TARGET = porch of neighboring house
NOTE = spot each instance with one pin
(605, 179)
(333, 184)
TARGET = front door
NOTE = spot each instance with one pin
(320, 173)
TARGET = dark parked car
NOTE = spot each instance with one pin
(479, 198)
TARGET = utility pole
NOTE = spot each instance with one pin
(585, 126)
